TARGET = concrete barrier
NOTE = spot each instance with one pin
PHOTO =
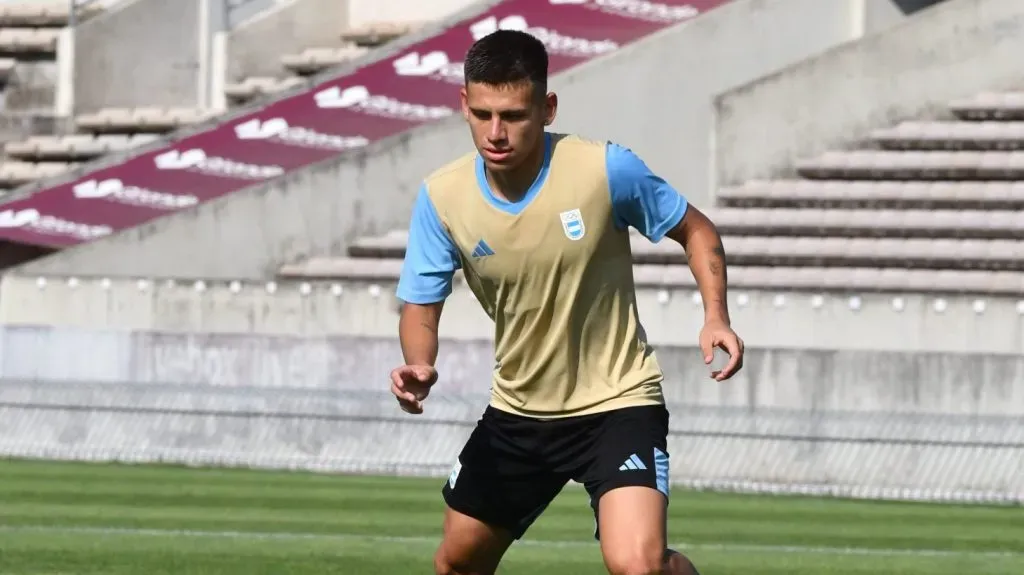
(862, 424)
(906, 323)
(140, 53)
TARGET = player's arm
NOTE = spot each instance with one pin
(651, 205)
(426, 281)
(417, 332)
(706, 258)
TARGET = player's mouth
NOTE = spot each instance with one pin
(497, 156)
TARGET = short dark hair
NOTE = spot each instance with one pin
(508, 57)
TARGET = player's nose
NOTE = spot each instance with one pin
(496, 133)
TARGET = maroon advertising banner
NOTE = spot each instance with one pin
(382, 99)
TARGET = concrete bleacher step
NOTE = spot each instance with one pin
(15, 126)
(913, 253)
(918, 253)
(22, 42)
(964, 224)
(813, 279)
(74, 147)
(7, 66)
(13, 173)
(970, 195)
(990, 106)
(140, 120)
(44, 13)
(373, 34)
(895, 165)
(982, 135)
(314, 60)
(257, 86)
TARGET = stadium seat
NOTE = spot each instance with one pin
(42, 14)
(985, 135)
(14, 173)
(914, 165)
(156, 120)
(375, 34)
(76, 147)
(257, 86)
(870, 223)
(990, 106)
(28, 40)
(875, 195)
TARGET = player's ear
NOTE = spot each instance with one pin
(464, 100)
(550, 108)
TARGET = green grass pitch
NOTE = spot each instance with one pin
(91, 519)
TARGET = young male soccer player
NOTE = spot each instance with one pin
(538, 222)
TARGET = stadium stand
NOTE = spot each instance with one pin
(97, 133)
(402, 93)
(317, 120)
(924, 206)
(356, 43)
(872, 214)
(29, 35)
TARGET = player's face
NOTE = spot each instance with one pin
(507, 122)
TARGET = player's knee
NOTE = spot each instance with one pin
(447, 564)
(442, 566)
(639, 560)
(677, 564)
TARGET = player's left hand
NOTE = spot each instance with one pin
(717, 333)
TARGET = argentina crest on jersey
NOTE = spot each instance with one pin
(572, 224)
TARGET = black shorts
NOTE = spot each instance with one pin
(512, 466)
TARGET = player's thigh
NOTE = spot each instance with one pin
(470, 546)
(628, 483)
(494, 494)
(632, 527)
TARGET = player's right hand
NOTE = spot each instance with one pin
(411, 384)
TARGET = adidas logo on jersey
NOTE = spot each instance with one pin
(482, 250)
(633, 464)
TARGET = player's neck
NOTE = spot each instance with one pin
(512, 185)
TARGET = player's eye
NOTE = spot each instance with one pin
(481, 114)
(517, 116)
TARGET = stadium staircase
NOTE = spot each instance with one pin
(111, 130)
(29, 33)
(298, 68)
(923, 206)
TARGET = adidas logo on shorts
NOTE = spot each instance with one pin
(632, 464)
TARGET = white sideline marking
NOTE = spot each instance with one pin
(285, 536)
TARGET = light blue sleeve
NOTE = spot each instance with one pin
(431, 257)
(639, 197)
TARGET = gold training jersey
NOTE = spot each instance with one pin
(553, 270)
